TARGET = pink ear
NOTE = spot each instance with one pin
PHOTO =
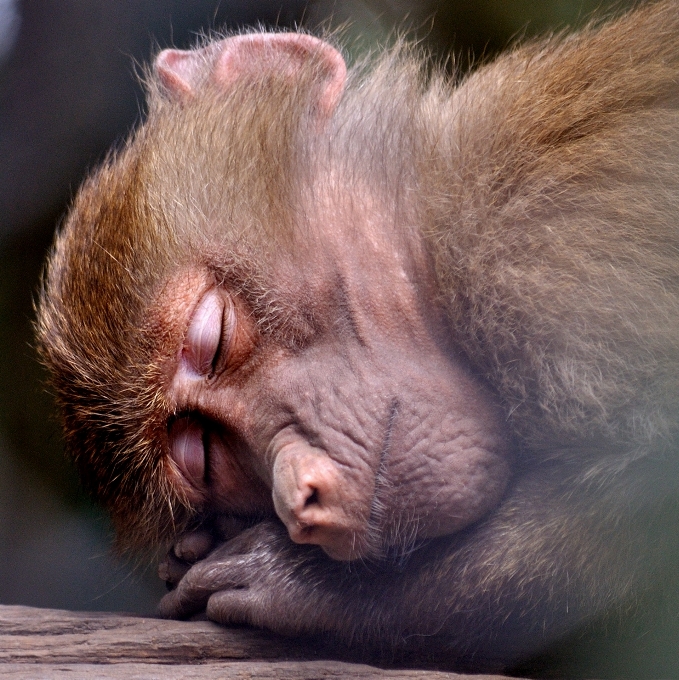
(180, 71)
(226, 61)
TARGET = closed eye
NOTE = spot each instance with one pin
(224, 354)
(187, 448)
(216, 340)
(204, 336)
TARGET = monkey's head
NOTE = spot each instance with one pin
(240, 318)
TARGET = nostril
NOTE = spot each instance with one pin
(312, 499)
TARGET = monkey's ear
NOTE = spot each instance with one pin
(226, 61)
(180, 71)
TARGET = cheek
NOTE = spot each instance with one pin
(451, 462)
(233, 485)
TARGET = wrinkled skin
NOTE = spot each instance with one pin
(355, 424)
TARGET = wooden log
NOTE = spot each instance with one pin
(233, 670)
(47, 643)
(28, 634)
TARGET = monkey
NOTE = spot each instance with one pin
(390, 358)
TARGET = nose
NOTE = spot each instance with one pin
(317, 503)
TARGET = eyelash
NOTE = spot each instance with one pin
(228, 331)
(220, 347)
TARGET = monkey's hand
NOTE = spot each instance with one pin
(194, 545)
(187, 550)
(262, 578)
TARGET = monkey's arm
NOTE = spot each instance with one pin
(487, 593)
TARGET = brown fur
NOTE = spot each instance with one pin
(545, 188)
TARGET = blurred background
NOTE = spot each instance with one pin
(67, 92)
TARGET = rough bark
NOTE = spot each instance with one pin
(54, 644)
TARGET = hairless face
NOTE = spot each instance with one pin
(361, 431)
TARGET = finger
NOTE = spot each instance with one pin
(231, 607)
(180, 603)
(193, 591)
(194, 545)
(171, 570)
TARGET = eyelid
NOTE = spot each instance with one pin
(188, 450)
(223, 355)
(204, 335)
